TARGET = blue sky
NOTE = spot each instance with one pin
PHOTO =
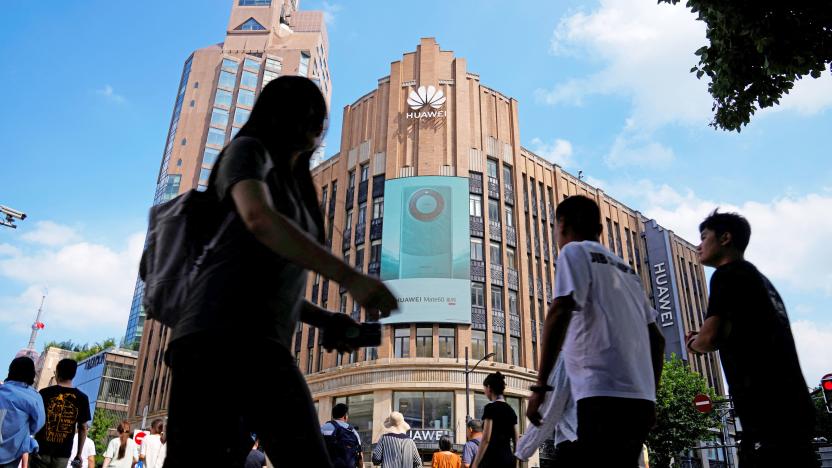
(603, 88)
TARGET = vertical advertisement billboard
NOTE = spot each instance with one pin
(425, 250)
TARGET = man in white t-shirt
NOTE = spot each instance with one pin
(611, 345)
(152, 449)
(87, 453)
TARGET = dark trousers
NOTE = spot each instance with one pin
(39, 460)
(611, 431)
(11, 464)
(783, 449)
(224, 390)
(566, 455)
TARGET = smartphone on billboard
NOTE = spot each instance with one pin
(426, 232)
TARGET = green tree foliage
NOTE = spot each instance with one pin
(758, 50)
(83, 350)
(102, 422)
(679, 425)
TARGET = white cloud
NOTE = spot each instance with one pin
(108, 93)
(330, 10)
(90, 286)
(801, 262)
(646, 52)
(628, 150)
(559, 152)
(49, 233)
(812, 341)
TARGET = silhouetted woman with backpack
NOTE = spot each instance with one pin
(232, 370)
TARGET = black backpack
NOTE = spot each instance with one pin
(343, 447)
(181, 233)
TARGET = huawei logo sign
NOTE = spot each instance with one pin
(429, 96)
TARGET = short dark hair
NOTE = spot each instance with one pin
(581, 214)
(732, 223)
(157, 425)
(340, 410)
(22, 369)
(496, 382)
(66, 369)
(445, 443)
(475, 425)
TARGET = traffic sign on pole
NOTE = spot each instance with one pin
(139, 436)
(702, 403)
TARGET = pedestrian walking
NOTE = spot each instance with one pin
(247, 295)
(67, 413)
(256, 458)
(153, 450)
(394, 448)
(612, 348)
(444, 457)
(342, 440)
(121, 451)
(21, 413)
(473, 436)
(499, 430)
(86, 457)
(748, 324)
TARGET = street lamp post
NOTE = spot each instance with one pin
(467, 382)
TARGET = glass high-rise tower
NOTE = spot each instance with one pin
(263, 40)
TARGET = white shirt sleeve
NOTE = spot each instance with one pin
(89, 448)
(112, 449)
(572, 276)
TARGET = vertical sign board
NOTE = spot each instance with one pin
(426, 249)
(665, 292)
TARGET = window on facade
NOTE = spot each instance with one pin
(610, 235)
(491, 168)
(512, 302)
(241, 116)
(222, 98)
(494, 211)
(233, 132)
(509, 216)
(475, 205)
(359, 258)
(365, 172)
(348, 220)
(362, 214)
(447, 342)
(515, 350)
(351, 180)
(251, 24)
(273, 65)
(269, 76)
(249, 80)
(310, 359)
(375, 251)
(378, 208)
(216, 137)
(476, 249)
(255, 2)
(428, 410)
(477, 294)
(477, 344)
(209, 157)
(496, 254)
(499, 341)
(511, 258)
(342, 306)
(496, 298)
(361, 413)
(219, 117)
(507, 180)
(323, 196)
(618, 249)
(424, 341)
(251, 64)
(401, 342)
(303, 66)
(204, 173)
(245, 98)
(227, 79)
(230, 65)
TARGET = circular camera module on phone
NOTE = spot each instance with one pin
(426, 204)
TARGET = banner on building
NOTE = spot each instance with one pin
(665, 291)
(425, 250)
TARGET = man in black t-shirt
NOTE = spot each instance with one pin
(67, 412)
(748, 324)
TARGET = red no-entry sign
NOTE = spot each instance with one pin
(139, 436)
(702, 403)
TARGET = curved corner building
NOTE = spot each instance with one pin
(433, 193)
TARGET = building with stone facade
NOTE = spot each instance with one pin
(474, 133)
(263, 40)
